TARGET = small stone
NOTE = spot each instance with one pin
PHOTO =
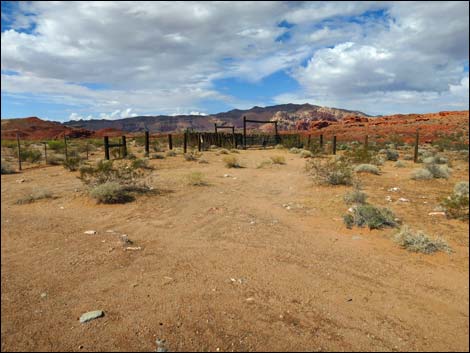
(356, 237)
(394, 189)
(436, 213)
(402, 199)
(43, 295)
(250, 299)
(91, 315)
(133, 248)
(62, 207)
(110, 231)
(91, 232)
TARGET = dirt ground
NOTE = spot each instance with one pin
(257, 261)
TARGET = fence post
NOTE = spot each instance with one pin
(308, 140)
(416, 146)
(45, 151)
(106, 147)
(366, 142)
(124, 146)
(276, 138)
(65, 142)
(334, 144)
(244, 132)
(185, 142)
(87, 150)
(321, 141)
(19, 151)
(233, 138)
(215, 127)
(199, 144)
(147, 144)
(170, 142)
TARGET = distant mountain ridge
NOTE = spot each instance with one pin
(286, 114)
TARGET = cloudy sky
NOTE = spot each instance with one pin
(73, 60)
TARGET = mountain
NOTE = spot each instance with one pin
(286, 114)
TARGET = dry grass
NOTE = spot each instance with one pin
(419, 241)
(278, 159)
(231, 162)
(196, 179)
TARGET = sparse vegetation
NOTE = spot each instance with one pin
(202, 160)
(333, 172)
(355, 196)
(421, 174)
(295, 150)
(55, 159)
(157, 156)
(30, 155)
(278, 159)
(72, 163)
(197, 179)
(279, 147)
(56, 145)
(231, 162)
(170, 153)
(371, 216)
(234, 150)
(457, 205)
(419, 241)
(36, 195)
(392, 155)
(264, 164)
(438, 171)
(400, 164)
(224, 151)
(367, 168)
(142, 163)
(191, 156)
(6, 168)
(306, 154)
(110, 192)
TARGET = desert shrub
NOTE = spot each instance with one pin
(333, 172)
(425, 153)
(278, 159)
(360, 155)
(231, 162)
(421, 174)
(355, 196)
(279, 147)
(178, 150)
(224, 151)
(234, 150)
(400, 164)
(157, 156)
(131, 156)
(157, 148)
(392, 155)
(457, 205)
(142, 163)
(196, 179)
(295, 150)
(371, 216)
(56, 145)
(202, 160)
(110, 192)
(30, 155)
(453, 141)
(306, 154)
(438, 171)
(419, 241)
(367, 168)
(36, 195)
(6, 168)
(171, 153)
(408, 157)
(72, 163)
(115, 152)
(191, 156)
(264, 164)
(461, 188)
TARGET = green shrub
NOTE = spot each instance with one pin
(36, 195)
(56, 145)
(30, 155)
(224, 151)
(231, 162)
(333, 172)
(110, 192)
(360, 155)
(457, 205)
(72, 163)
(157, 148)
(141, 163)
(278, 159)
(400, 164)
(438, 171)
(461, 188)
(371, 216)
(421, 174)
(356, 196)
(306, 154)
(191, 157)
(279, 147)
(367, 168)
(171, 153)
(197, 179)
(295, 150)
(55, 159)
(419, 241)
(157, 156)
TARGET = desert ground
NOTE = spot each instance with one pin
(258, 260)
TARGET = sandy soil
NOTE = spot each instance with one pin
(229, 266)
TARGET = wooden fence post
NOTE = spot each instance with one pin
(334, 144)
(19, 151)
(106, 147)
(45, 152)
(170, 142)
(87, 150)
(199, 144)
(366, 142)
(185, 142)
(244, 132)
(416, 146)
(215, 127)
(147, 143)
(321, 141)
(124, 146)
(65, 144)
(276, 137)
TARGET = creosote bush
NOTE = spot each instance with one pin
(224, 151)
(419, 241)
(457, 205)
(355, 196)
(72, 163)
(191, 156)
(438, 170)
(197, 179)
(141, 163)
(110, 192)
(278, 159)
(170, 153)
(231, 162)
(370, 216)
(392, 155)
(31, 155)
(333, 172)
(421, 174)
(36, 195)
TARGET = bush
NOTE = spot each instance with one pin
(231, 162)
(140, 163)
(400, 164)
(110, 192)
(37, 195)
(72, 163)
(333, 172)
(295, 150)
(191, 157)
(278, 160)
(367, 168)
(421, 174)
(131, 156)
(224, 151)
(408, 157)
(157, 156)
(392, 155)
(355, 196)
(197, 179)
(457, 205)
(56, 145)
(234, 150)
(30, 155)
(55, 159)
(306, 154)
(171, 153)
(461, 188)
(263, 164)
(6, 168)
(419, 241)
(361, 155)
(371, 216)
(157, 148)
(279, 147)
(202, 160)
(438, 171)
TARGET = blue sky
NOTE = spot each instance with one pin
(84, 60)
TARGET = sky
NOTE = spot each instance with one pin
(110, 60)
